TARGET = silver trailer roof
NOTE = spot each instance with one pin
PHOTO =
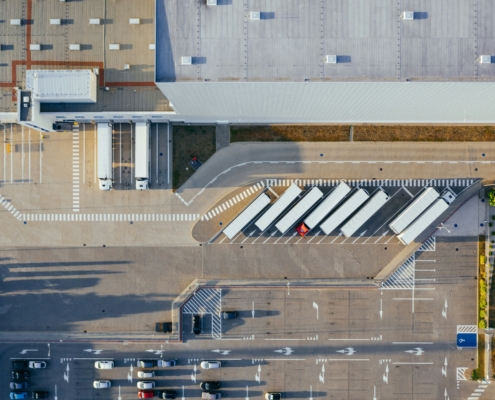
(247, 215)
(414, 210)
(141, 166)
(327, 205)
(299, 210)
(104, 145)
(344, 211)
(377, 201)
(278, 207)
(426, 219)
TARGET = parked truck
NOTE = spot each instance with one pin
(303, 206)
(142, 164)
(324, 208)
(284, 201)
(105, 155)
(344, 211)
(246, 216)
(429, 216)
(376, 202)
(414, 210)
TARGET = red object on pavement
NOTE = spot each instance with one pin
(302, 229)
(145, 395)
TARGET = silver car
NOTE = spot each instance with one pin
(101, 384)
(146, 385)
(37, 364)
(146, 374)
(211, 364)
(104, 364)
(167, 363)
(211, 396)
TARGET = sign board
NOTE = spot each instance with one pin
(467, 340)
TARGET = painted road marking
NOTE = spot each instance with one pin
(108, 217)
(403, 278)
(207, 301)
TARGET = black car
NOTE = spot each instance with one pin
(168, 394)
(18, 385)
(196, 321)
(229, 314)
(19, 364)
(146, 363)
(210, 385)
(39, 395)
(20, 374)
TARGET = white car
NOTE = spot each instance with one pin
(210, 364)
(104, 365)
(146, 374)
(167, 363)
(101, 384)
(146, 385)
(37, 364)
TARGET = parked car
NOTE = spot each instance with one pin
(104, 364)
(37, 364)
(211, 396)
(146, 363)
(102, 384)
(273, 396)
(19, 364)
(168, 394)
(229, 314)
(196, 321)
(62, 126)
(146, 385)
(210, 385)
(20, 374)
(163, 327)
(145, 395)
(18, 385)
(39, 395)
(18, 395)
(146, 374)
(210, 364)
(167, 363)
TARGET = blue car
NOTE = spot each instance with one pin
(20, 395)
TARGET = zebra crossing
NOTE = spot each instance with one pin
(109, 217)
(479, 391)
(372, 182)
(234, 200)
(10, 208)
(403, 278)
(207, 301)
(75, 167)
(429, 244)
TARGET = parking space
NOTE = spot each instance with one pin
(374, 232)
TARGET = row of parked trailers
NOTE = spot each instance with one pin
(341, 207)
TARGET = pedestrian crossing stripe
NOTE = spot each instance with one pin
(108, 217)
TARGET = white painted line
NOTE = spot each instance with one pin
(92, 358)
(411, 298)
(347, 359)
(168, 153)
(157, 154)
(284, 359)
(284, 339)
(412, 363)
(120, 148)
(412, 342)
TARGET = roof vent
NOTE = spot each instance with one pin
(186, 60)
(94, 21)
(134, 21)
(255, 15)
(114, 46)
(331, 59)
(55, 21)
(127, 66)
(407, 15)
(151, 46)
(15, 22)
(211, 2)
(34, 47)
(74, 47)
(485, 59)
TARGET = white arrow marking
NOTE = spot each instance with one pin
(444, 311)
(257, 377)
(55, 397)
(96, 352)
(183, 397)
(348, 351)
(374, 391)
(444, 368)
(48, 349)
(252, 312)
(311, 393)
(26, 350)
(157, 352)
(383, 234)
(381, 309)
(416, 351)
(360, 236)
(193, 375)
(66, 374)
(445, 394)
(321, 377)
(286, 351)
(340, 234)
(222, 352)
(247, 392)
(288, 286)
(120, 398)
(315, 306)
(385, 375)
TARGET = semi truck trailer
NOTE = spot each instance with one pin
(105, 155)
(142, 164)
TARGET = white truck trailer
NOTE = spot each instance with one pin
(299, 210)
(278, 207)
(251, 211)
(427, 218)
(142, 164)
(105, 155)
(344, 211)
(414, 210)
(376, 202)
(324, 208)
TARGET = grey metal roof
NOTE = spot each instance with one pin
(334, 102)
(292, 37)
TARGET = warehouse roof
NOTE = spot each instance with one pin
(291, 39)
